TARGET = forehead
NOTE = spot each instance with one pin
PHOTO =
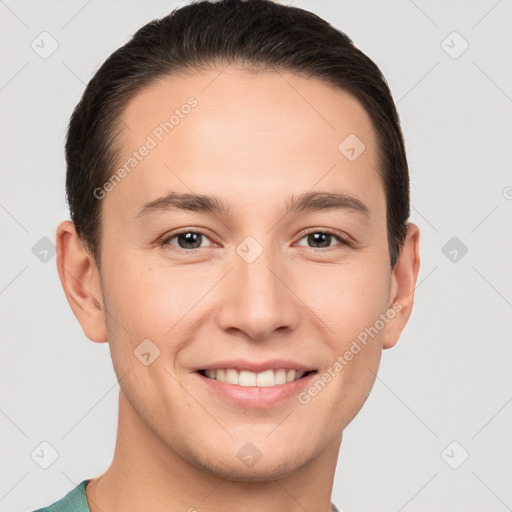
(252, 135)
(261, 102)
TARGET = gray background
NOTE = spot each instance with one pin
(447, 380)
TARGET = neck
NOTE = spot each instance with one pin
(148, 475)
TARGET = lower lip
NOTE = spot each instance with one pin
(254, 396)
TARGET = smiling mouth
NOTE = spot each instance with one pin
(246, 378)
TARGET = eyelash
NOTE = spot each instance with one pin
(166, 238)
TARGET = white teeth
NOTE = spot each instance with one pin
(231, 377)
(265, 379)
(280, 376)
(245, 378)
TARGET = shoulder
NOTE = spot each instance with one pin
(74, 501)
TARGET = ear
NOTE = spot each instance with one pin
(403, 283)
(80, 280)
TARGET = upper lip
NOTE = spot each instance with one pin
(254, 366)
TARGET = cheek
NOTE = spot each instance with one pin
(347, 298)
(350, 306)
(147, 300)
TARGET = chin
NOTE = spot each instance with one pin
(258, 473)
(279, 466)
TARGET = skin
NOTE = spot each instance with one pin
(254, 140)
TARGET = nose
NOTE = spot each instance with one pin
(258, 298)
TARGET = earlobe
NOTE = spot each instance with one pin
(403, 284)
(80, 280)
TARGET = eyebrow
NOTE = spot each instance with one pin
(308, 201)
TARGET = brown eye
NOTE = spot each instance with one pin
(323, 239)
(186, 240)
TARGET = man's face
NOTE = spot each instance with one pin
(252, 285)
